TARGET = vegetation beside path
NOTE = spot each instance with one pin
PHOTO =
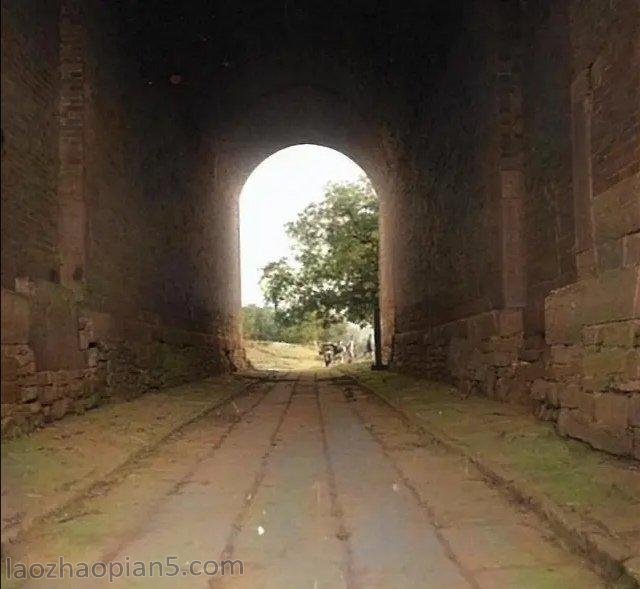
(282, 356)
(50, 467)
(593, 496)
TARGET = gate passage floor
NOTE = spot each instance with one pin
(309, 482)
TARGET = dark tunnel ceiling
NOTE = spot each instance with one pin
(203, 39)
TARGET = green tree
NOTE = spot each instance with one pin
(262, 323)
(259, 323)
(335, 274)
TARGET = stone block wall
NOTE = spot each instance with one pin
(31, 395)
(585, 377)
(592, 382)
(89, 357)
(568, 348)
(482, 354)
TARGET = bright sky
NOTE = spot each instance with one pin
(277, 190)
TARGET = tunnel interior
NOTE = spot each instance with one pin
(502, 137)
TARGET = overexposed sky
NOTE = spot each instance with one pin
(277, 190)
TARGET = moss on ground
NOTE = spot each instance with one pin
(44, 469)
(573, 475)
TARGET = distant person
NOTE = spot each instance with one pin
(340, 349)
(351, 350)
(328, 357)
(327, 352)
(369, 348)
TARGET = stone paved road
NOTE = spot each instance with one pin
(311, 483)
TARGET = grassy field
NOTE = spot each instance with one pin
(281, 356)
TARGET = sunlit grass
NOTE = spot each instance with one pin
(282, 356)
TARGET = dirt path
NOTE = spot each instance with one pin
(310, 484)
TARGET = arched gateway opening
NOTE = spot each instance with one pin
(316, 114)
(285, 198)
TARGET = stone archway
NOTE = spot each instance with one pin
(502, 139)
(315, 115)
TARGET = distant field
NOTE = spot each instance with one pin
(281, 356)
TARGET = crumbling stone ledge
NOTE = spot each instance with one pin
(590, 499)
(60, 358)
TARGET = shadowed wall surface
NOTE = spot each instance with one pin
(503, 139)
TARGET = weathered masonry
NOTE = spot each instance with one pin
(503, 138)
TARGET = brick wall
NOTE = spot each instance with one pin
(108, 286)
(450, 263)
(592, 385)
(447, 261)
(548, 214)
(552, 163)
(30, 83)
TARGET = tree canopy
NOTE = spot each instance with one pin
(261, 323)
(334, 274)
